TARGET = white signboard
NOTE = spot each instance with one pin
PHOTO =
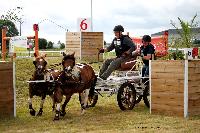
(188, 53)
(84, 24)
(18, 44)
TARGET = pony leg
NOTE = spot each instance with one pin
(57, 115)
(85, 102)
(62, 112)
(53, 101)
(81, 97)
(41, 106)
(58, 96)
(32, 111)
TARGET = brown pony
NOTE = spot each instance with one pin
(44, 88)
(75, 78)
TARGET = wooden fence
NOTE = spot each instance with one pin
(7, 89)
(175, 87)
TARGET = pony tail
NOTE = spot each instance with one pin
(91, 92)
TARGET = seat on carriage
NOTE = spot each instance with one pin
(129, 68)
(127, 65)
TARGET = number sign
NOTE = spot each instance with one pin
(84, 24)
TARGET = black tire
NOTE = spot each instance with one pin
(146, 96)
(124, 95)
(138, 98)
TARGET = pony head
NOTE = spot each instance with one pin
(40, 63)
(68, 62)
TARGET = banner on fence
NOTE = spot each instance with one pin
(160, 43)
(18, 44)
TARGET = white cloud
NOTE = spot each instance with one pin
(137, 16)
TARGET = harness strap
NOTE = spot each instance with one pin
(48, 71)
(78, 83)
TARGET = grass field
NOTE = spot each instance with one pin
(104, 117)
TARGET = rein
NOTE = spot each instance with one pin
(54, 65)
(44, 73)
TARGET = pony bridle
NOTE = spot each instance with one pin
(72, 72)
(68, 70)
(40, 68)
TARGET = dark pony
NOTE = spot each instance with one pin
(40, 84)
(75, 78)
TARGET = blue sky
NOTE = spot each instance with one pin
(138, 17)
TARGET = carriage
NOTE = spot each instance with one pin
(127, 83)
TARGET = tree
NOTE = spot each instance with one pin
(8, 20)
(104, 42)
(186, 36)
(62, 45)
(50, 45)
(42, 43)
(185, 32)
(12, 15)
(12, 30)
(196, 43)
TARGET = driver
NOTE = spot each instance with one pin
(123, 46)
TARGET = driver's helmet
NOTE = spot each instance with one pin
(118, 28)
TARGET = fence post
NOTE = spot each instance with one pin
(4, 29)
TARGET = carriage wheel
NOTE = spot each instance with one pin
(126, 96)
(146, 96)
(138, 98)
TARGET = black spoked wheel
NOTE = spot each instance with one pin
(146, 96)
(126, 96)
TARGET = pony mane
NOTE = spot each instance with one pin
(68, 57)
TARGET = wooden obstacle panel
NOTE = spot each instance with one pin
(85, 44)
(6, 89)
(90, 42)
(194, 87)
(167, 87)
(73, 43)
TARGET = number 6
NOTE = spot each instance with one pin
(83, 25)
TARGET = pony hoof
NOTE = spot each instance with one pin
(53, 108)
(32, 112)
(82, 111)
(39, 113)
(62, 113)
(56, 117)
